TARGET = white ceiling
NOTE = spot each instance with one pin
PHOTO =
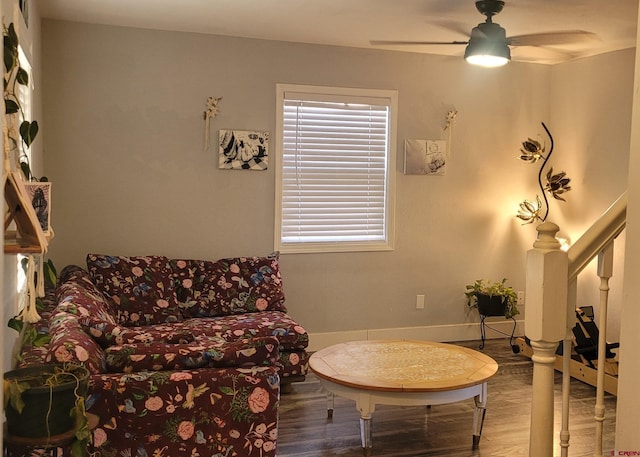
(355, 22)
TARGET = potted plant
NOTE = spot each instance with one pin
(493, 298)
(48, 400)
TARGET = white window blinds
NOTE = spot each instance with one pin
(335, 168)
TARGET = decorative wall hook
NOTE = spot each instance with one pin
(210, 112)
(450, 119)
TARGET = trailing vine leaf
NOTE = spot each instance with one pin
(10, 106)
(22, 76)
(10, 48)
(50, 272)
(12, 391)
(26, 170)
(16, 75)
(15, 324)
(28, 131)
(41, 340)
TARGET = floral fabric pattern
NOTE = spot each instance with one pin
(228, 286)
(195, 376)
(84, 303)
(203, 352)
(207, 412)
(290, 334)
(70, 343)
(107, 334)
(140, 288)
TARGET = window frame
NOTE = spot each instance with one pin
(390, 97)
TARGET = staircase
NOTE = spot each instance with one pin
(551, 290)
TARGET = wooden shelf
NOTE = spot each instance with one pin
(29, 237)
(13, 245)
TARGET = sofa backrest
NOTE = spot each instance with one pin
(228, 286)
(140, 289)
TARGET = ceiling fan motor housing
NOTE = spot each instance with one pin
(488, 38)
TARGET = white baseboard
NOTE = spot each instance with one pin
(438, 333)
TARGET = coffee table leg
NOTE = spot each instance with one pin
(330, 404)
(478, 414)
(365, 434)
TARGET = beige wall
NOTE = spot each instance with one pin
(123, 144)
(627, 438)
(591, 107)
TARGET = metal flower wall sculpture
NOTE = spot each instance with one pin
(557, 184)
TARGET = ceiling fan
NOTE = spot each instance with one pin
(488, 44)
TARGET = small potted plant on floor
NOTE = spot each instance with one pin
(493, 298)
(41, 401)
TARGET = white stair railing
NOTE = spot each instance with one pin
(550, 315)
(605, 271)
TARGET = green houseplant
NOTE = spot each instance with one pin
(492, 298)
(46, 400)
(15, 76)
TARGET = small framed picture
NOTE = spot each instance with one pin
(39, 194)
(425, 157)
(243, 149)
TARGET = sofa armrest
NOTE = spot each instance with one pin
(70, 343)
(210, 411)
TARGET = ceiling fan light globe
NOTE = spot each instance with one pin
(487, 60)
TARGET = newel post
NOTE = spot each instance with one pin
(545, 325)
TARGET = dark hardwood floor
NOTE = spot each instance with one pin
(442, 430)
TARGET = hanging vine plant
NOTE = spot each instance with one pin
(20, 138)
(556, 185)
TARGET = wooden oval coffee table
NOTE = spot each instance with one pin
(403, 373)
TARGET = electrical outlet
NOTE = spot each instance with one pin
(521, 297)
(419, 301)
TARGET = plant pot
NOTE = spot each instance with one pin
(491, 305)
(47, 408)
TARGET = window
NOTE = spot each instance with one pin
(335, 169)
(24, 95)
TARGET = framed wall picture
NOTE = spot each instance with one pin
(39, 194)
(243, 149)
(425, 157)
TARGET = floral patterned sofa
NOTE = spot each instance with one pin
(187, 356)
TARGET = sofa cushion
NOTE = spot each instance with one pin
(293, 364)
(108, 334)
(229, 286)
(140, 288)
(289, 333)
(196, 287)
(205, 351)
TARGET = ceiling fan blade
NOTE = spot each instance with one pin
(452, 26)
(552, 38)
(541, 54)
(402, 43)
